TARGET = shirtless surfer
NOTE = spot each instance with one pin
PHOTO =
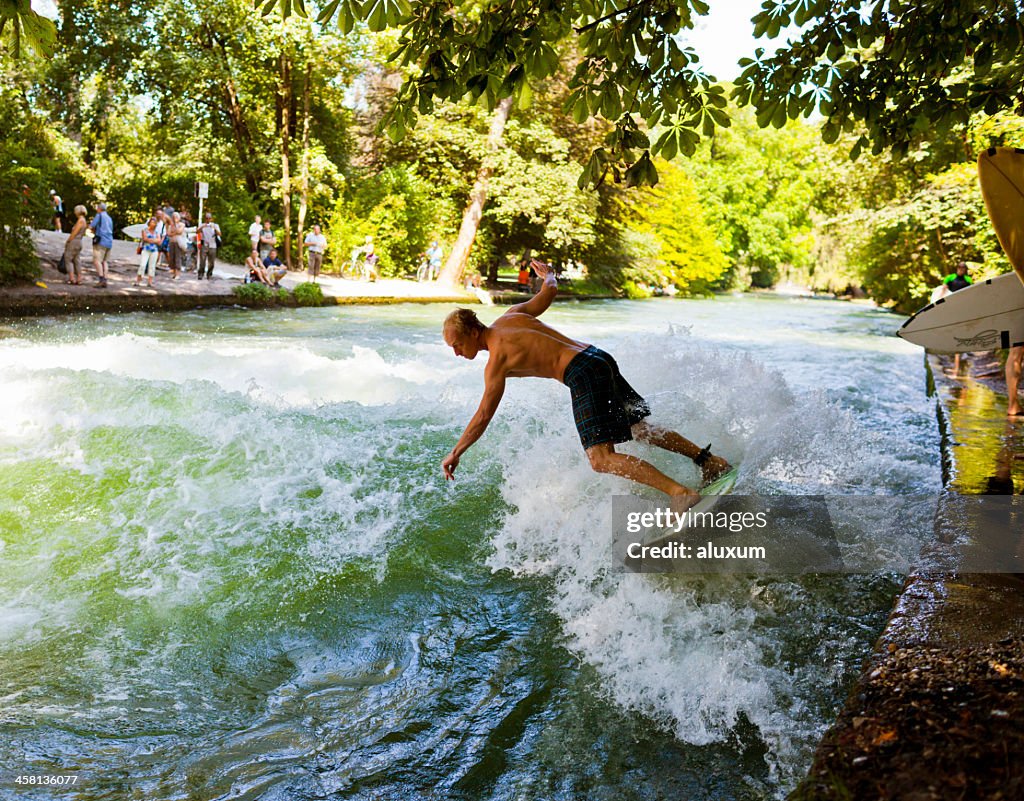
(607, 410)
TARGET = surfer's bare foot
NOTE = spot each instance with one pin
(714, 467)
(684, 500)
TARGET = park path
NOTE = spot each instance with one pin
(121, 292)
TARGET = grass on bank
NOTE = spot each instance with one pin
(262, 295)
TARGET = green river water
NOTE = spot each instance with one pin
(230, 566)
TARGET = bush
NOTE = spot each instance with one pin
(255, 294)
(308, 295)
(32, 161)
(396, 209)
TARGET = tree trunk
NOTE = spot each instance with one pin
(284, 108)
(240, 128)
(455, 266)
(304, 197)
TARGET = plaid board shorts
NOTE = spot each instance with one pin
(604, 405)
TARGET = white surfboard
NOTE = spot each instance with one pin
(984, 316)
(135, 231)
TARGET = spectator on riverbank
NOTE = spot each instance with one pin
(316, 244)
(256, 272)
(254, 232)
(73, 247)
(102, 241)
(209, 235)
(434, 256)
(274, 268)
(58, 210)
(161, 229)
(268, 240)
(149, 252)
(178, 245)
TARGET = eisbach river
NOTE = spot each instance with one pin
(230, 566)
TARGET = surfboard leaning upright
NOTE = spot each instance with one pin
(1001, 174)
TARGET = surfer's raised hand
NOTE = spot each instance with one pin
(540, 267)
(451, 461)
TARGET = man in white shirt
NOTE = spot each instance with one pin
(316, 244)
(254, 232)
(209, 233)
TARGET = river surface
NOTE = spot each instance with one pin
(230, 566)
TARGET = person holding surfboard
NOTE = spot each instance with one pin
(1014, 361)
(607, 410)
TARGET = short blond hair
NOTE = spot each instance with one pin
(81, 210)
(462, 321)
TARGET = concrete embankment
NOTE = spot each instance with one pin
(938, 712)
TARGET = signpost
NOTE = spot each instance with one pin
(202, 192)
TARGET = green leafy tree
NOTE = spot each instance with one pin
(670, 217)
(890, 66)
(22, 27)
(759, 188)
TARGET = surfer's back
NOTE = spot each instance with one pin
(524, 346)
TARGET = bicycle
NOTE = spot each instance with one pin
(423, 271)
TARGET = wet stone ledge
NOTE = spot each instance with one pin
(938, 712)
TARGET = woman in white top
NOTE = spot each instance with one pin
(150, 249)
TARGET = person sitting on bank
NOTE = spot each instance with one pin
(274, 268)
(257, 274)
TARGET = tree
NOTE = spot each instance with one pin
(458, 258)
(901, 69)
(759, 189)
(671, 217)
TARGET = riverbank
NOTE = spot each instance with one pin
(938, 712)
(55, 296)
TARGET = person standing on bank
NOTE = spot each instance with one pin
(102, 241)
(1014, 361)
(178, 244)
(73, 247)
(316, 244)
(268, 240)
(149, 251)
(209, 239)
(254, 232)
(607, 410)
(58, 210)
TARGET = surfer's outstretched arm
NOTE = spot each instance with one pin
(494, 388)
(540, 302)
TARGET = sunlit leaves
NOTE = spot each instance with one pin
(21, 27)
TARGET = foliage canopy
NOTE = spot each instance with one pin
(896, 68)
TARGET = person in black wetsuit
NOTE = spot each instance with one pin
(958, 280)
